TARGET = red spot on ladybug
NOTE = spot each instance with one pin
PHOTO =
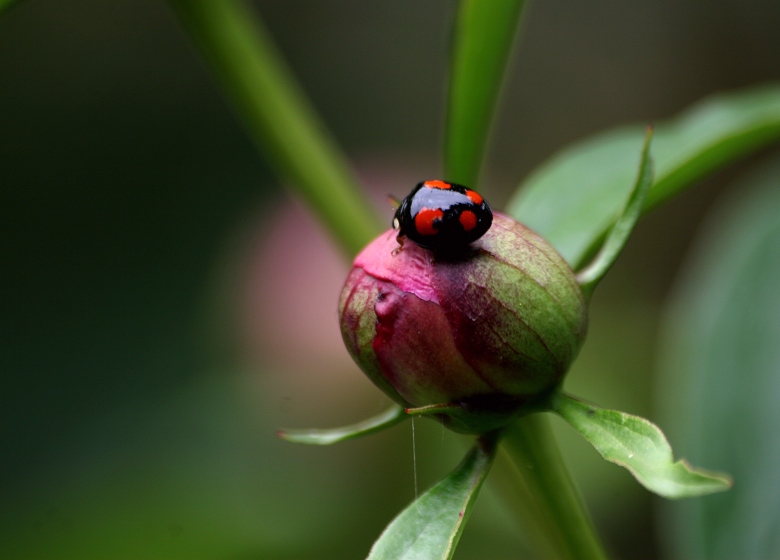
(426, 220)
(468, 220)
(474, 196)
(444, 217)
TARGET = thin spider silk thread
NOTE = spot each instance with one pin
(414, 458)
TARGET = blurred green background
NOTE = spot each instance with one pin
(165, 307)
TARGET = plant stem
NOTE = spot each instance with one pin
(482, 40)
(553, 502)
(278, 115)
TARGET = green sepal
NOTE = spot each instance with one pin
(477, 417)
(433, 409)
(430, 527)
(639, 446)
(621, 230)
(386, 419)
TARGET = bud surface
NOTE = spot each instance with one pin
(490, 330)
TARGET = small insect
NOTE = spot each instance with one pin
(442, 216)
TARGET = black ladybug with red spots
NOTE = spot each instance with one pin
(442, 216)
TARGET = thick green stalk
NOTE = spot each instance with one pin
(553, 503)
(278, 115)
(481, 43)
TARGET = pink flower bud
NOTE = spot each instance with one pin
(490, 331)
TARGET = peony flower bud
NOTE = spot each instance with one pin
(488, 332)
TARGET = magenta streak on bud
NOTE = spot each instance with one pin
(491, 329)
(410, 269)
(417, 350)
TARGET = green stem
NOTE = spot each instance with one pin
(482, 41)
(278, 115)
(552, 500)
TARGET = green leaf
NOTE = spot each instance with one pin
(720, 365)
(640, 446)
(621, 230)
(430, 527)
(483, 36)
(279, 117)
(573, 198)
(386, 419)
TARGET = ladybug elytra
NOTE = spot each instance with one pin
(442, 216)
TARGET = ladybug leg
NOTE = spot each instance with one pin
(400, 247)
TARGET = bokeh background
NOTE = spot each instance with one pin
(165, 306)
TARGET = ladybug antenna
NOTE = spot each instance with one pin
(393, 201)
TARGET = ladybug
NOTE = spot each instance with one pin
(442, 216)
